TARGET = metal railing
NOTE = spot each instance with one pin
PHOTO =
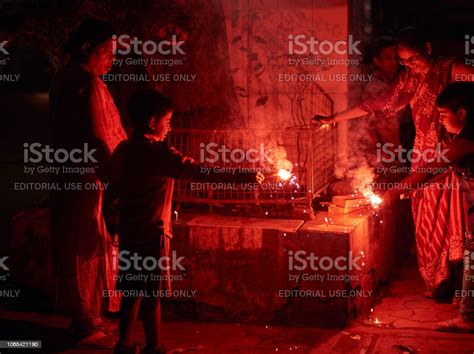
(310, 151)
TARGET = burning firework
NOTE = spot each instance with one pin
(285, 175)
(362, 182)
(374, 199)
(288, 178)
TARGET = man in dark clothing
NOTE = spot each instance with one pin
(142, 176)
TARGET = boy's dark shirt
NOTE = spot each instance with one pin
(142, 177)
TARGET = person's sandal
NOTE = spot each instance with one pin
(97, 339)
(451, 327)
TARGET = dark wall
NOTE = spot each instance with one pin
(446, 21)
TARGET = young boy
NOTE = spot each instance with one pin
(143, 170)
(455, 105)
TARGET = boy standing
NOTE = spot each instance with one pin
(142, 176)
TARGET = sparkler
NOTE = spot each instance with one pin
(362, 181)
(373, 198)
(285, 175)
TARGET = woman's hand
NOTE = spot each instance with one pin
(348, 114)
(391, 195)
(323, 119)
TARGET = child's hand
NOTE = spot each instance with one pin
(259, 177)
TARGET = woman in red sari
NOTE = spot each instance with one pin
(439, 215)
(83, 114)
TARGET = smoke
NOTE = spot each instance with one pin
(280, 160)
(361, 178)
(359, 165)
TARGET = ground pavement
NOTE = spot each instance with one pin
(400, 322)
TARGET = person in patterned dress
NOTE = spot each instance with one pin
(439, 216)
(455, 105)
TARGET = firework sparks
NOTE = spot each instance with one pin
(373, 198)
(362, 181)
(287, 178)
(285, 175)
